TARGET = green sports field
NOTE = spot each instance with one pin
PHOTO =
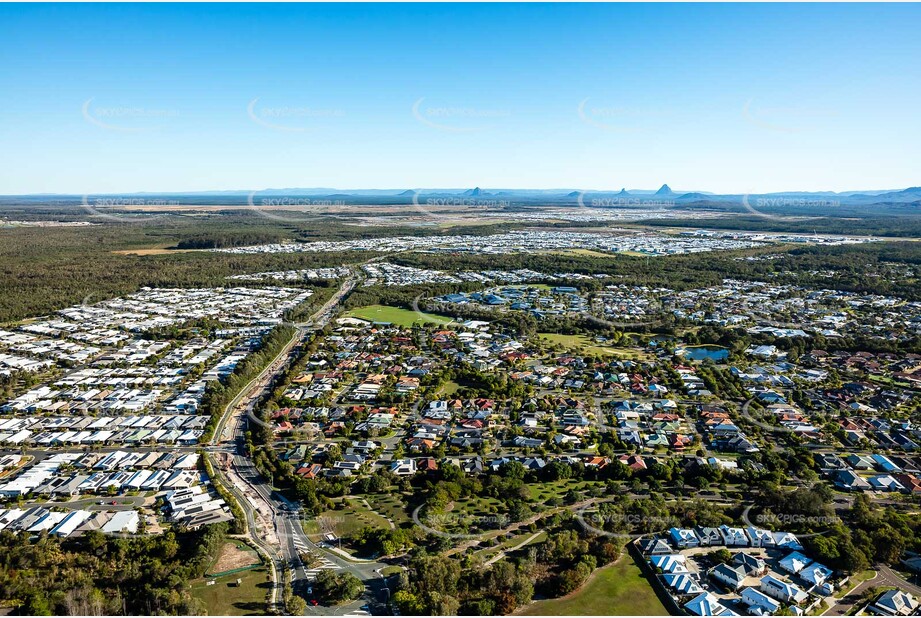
(396, 315)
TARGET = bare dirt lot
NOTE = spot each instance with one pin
(234, 555)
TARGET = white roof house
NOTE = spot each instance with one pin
(895, 603)
(123, 521)
(683, 537)
(782, 591)
(794, 563)
(682, 583)
(787, 540)
(733, 536)
(705, 604)
(816, 573)
(672, 563)
(759, 603)
(759, 537)
(70, 523)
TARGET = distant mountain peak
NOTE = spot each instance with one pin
(623, 191)
(475, 192)
(664, 190)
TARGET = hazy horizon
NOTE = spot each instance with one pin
(421, 190)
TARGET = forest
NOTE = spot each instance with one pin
(98, 575)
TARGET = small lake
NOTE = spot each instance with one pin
(703, 352)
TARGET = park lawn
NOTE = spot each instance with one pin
(225, 598)
(577, 343)
(396, 315)
(448, 388)
(390, 505)
(511, 540)
(618, 589)
(347, 521)
(585, 345)
(367, 516)
(477, 506)
(541, 492)
(476, 514)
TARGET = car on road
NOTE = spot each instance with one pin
(314, 602)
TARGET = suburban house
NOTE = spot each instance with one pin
(782, 591)
(894, 603)
(731, 577)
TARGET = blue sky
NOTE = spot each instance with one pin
(718, 97)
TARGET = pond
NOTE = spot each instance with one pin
(703, 352)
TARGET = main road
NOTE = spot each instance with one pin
(273, 522)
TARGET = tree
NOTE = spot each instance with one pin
(408, 603)
(296, 605)
(722, 555)
(333, 588)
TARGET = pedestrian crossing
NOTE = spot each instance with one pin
(325, 565)
(321, 563)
